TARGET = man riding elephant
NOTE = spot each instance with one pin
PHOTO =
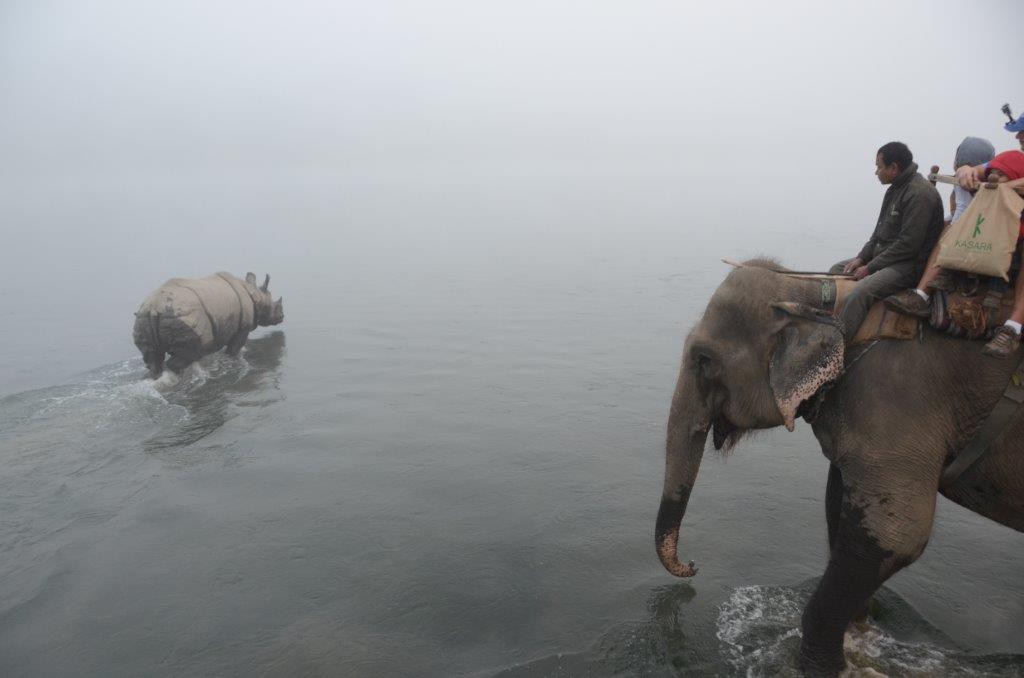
(909, 224)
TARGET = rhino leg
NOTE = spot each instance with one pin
(236, 343)
(154, 363)
(178, 362)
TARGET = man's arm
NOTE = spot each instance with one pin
(917, 216)
(868, 251)
(961, 199)
(866, 254)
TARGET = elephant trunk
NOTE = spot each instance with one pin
(687, 433)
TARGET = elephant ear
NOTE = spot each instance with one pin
(808, 354)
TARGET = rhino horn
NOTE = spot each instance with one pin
(266, 283)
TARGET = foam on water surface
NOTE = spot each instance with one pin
(759, 631)
(120, 402)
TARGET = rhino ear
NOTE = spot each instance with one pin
(808, 354)
(266, 283)
(250, 278)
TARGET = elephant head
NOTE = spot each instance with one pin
(760, 349)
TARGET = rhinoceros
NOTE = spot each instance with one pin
(189, 318)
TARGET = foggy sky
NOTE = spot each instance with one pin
(143, 140)
(123, 87)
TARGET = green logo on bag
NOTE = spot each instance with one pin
(972, 245)
(977, 226)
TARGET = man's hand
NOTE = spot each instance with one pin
(861, 272)
(853, 265)
(970, 177)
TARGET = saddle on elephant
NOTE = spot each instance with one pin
(965, 306)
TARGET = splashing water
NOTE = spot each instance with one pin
(759, 630)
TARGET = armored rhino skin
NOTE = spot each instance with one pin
(189, 318)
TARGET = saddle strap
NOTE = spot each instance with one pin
(828, 295)
(994, 425)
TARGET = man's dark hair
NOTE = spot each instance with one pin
(896, 152)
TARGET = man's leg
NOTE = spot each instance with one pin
(917, 301)
(878, 285)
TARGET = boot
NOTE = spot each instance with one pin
(909, 302)
(1003, 343)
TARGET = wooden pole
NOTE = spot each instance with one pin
(800, 274)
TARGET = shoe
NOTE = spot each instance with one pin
(909, 302)
(1003, 344)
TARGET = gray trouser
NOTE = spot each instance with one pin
(866, 292)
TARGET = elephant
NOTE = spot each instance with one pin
(889, 415)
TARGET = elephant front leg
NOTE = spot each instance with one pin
(833, 503)
(843, 591)
(872, 536)
(833, 514)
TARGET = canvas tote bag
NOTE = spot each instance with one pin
(983, 239)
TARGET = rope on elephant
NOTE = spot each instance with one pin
(861, 355)
(811, 406)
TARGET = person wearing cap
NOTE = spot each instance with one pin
(1007, 167)
(1003, 168)
(971, 176)
(908, 225)
(917, 301)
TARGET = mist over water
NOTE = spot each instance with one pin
(492, 228)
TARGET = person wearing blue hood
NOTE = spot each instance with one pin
(970, 176)
(917, 301)
(971, 166)
(971, 151)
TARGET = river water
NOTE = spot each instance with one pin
(446, 462)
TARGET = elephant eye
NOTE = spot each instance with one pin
(706, 365)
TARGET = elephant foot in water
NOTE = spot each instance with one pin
(853, 648)
(820, 666)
